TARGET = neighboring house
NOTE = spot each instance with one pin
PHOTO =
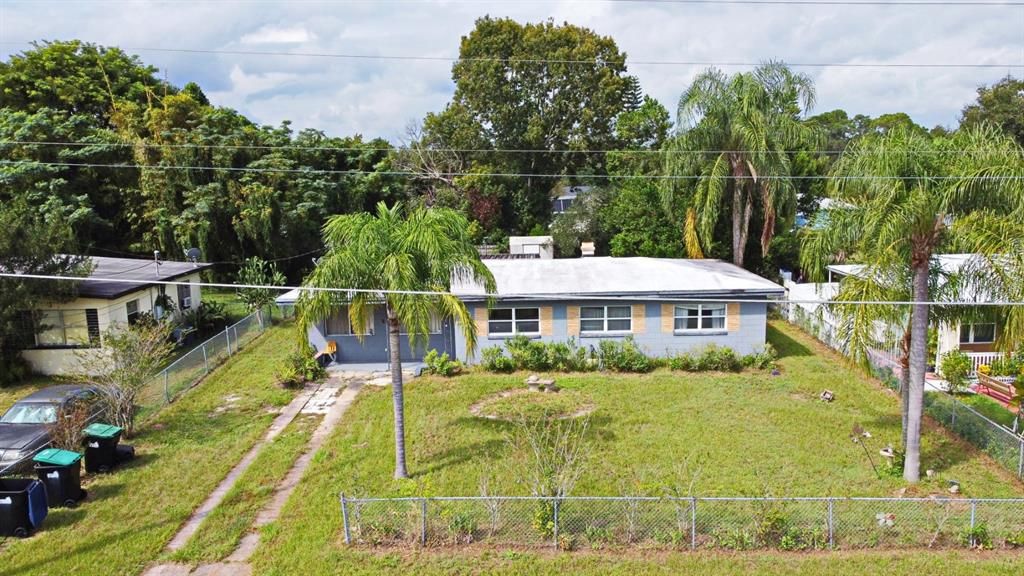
(566, 196)
(656, 301)
(66, 328)
(977, 340)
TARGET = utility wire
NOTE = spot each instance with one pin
(349, 291)
(308, 171)
(570, 61)
(441, 150)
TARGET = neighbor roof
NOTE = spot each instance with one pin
(949, 263)
(607, 276)
(137, 274)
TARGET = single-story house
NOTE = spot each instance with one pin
(666, 305)
(976, 339)
(65, 328)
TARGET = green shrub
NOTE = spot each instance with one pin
(762, 360)
(568, 357)
(956, 366)
(1005, 366)
(494, 360)
(623, 356)
(300, 367)
(1016, 540)
(718, 358)
(441, 364)
(13, 368)
(977, 537)
(527, 354)
(544, 518)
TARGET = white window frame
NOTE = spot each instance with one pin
(515, 320)
(604, 320)
(700, 318)
(132, 317)
(343, 313)
(970, 333)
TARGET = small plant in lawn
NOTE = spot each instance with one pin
(300, 367)
(763, 360)
(956, 366)
(734, 539)
(462, 527)
(977, 537)
(597, 535)
(1016, 540)
(439, 364)
(673, 538)
(494, 360)
(859, 436)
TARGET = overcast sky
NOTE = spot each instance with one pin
(380, 97)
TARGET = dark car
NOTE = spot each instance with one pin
(25, 427)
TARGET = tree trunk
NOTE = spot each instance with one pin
(394, 349)
(918, 351)
(904, 384)
(737, 222)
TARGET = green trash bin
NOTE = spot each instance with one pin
(60, 471)
(101, 447)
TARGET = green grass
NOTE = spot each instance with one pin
(221, 531)
(989, 408)
(752, 432)
(233, 307)
(183, 453)
(521, 403)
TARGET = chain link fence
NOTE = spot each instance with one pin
(1004, 445)
(685, 523)
(190, 368)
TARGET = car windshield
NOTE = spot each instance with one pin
(31, 413)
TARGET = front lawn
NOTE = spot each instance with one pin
(750, 434)
(183, 453)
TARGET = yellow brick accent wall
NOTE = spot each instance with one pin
(546, 317)
(668, 318)
(639, 319)
(573, 320)
(732, 316)
(480, 315)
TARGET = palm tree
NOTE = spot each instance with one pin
(405, 260)
(900, 199)
(744, 125)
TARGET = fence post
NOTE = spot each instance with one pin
(974, 506)
(167, 391)
(693, 523)
(831, 526)
(235, 330)
(206, 360)
(344, 519)
(423, 522)
(227, 339)
(1020, 460)
(555, 531)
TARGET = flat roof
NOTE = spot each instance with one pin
(137, 273)
(609, 276)
(948, 263)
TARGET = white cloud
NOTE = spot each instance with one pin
(276, 35)
(379, 97)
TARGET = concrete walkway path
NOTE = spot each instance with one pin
(319, 401)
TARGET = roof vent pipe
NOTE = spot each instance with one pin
(587, 249)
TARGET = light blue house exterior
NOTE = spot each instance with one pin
(666, 305)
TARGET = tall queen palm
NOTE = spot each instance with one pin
(735, 134)
(902, 198)
(405, 260)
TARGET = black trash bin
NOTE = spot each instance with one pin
(60, 471)
(101, 447)
(22, 506)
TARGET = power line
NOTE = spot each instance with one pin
(569, 61)
(308, 171)
(350, 291)
(299, 148)
(218, 262)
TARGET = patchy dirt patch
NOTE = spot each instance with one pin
(510, 405)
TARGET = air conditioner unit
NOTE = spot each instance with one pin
(186, 303)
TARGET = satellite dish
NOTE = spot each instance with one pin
(193, 254)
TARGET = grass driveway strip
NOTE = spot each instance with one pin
(221, 531)
(183, 452)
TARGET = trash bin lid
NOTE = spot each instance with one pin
(98, 430)
(57, 457)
